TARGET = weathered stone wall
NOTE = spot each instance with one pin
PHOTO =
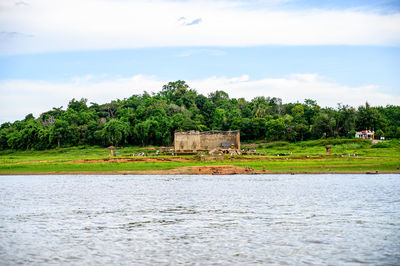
(187, 141)
(194, 140)
(211, 140)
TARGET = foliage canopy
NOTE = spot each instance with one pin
(152, 120)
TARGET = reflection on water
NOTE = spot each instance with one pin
(329, 219)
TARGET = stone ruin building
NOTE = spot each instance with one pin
(214, 142)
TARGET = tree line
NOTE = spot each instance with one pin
(152, 120)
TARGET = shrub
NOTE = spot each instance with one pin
(276, 144)
(380, 145)
(379, 133)
(351, 134)
(394, 143)
(335, 141)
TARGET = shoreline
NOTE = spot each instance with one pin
(167, 174)
(200, 170)
(85, 163)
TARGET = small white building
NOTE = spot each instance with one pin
(365, 134)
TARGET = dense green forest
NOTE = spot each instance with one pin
(152, 119)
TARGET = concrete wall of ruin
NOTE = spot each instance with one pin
(187, 141)
(194, 140)
(210, 140)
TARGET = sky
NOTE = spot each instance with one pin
(333, 52)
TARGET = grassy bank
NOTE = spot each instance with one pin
(278, 157)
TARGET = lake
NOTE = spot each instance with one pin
(243, 219)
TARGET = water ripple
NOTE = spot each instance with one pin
(318, 219)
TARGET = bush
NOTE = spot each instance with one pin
(379, 133)
(276, 144)
(351, 134)
(394, 143)
(380, 145)
(335, 141)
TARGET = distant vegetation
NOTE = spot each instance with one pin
(354, 155)
(152, 119)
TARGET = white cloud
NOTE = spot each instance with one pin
(297, 87)
(20, 97)
(59, 25)
(185, 22)
(213, 52)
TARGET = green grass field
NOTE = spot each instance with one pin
(307, 156)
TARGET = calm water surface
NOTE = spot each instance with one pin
(300, 219)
